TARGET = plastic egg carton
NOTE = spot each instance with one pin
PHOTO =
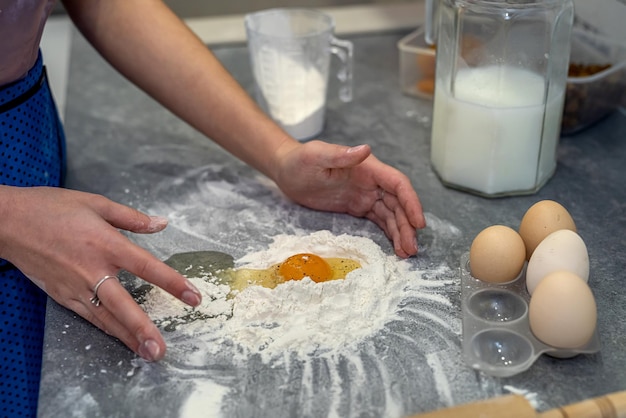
(496, 333)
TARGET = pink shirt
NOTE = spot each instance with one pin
(21, 26)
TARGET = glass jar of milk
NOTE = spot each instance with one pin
(499, 92)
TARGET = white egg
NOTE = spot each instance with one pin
(561, 250)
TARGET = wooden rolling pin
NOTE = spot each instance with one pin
(516, 406)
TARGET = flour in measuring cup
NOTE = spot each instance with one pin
(293, 93)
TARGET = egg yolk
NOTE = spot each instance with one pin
(299, 266)
(296, 267)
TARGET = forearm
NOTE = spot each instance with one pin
(6, 207)
(150, 46)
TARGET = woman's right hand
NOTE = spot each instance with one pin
(351, 180)
(65, 241)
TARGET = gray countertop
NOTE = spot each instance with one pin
(125, 146)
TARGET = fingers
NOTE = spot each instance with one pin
(129, 322)
(395, 183)
(141, 263)
(396, 207)
(125, 255)
(409, 201)
(68, 257)
(120, 316)
(389, 215)
(126, 218)
(405, 196)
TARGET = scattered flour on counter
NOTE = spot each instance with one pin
(204, 400)
(160, 305)
(383, 342)
(531, 397)
(302, 317)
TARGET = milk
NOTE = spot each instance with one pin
(291, 92)
(491, 136)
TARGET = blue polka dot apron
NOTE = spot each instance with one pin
(32, 153)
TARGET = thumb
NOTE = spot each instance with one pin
(351, 156)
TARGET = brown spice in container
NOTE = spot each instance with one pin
(426, 67)
(586, 103)
(585, 70)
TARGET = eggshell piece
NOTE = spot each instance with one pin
(497, 254)
(561, 250)
(562, 311)
(540, 220)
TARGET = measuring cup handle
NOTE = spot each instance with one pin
(344, 51)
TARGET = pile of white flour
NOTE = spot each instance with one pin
(301, 317)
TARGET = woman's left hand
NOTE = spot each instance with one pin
(351, 180)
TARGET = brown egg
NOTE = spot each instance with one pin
(562, 311)
(497, 254)
(542, 219)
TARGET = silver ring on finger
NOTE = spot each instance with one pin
(381, 194)
(94, 299)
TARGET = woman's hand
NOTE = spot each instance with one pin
(66, 241)
(337, 178)
(315, 174)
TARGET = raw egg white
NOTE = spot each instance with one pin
(497, 254)
(296, 267)
(542, 219)
(562, 311)
(561, 250)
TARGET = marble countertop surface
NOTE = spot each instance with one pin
(125, 146)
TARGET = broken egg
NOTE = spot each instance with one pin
(296, 267)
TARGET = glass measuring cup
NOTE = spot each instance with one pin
(501, 70)
(290, 52)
